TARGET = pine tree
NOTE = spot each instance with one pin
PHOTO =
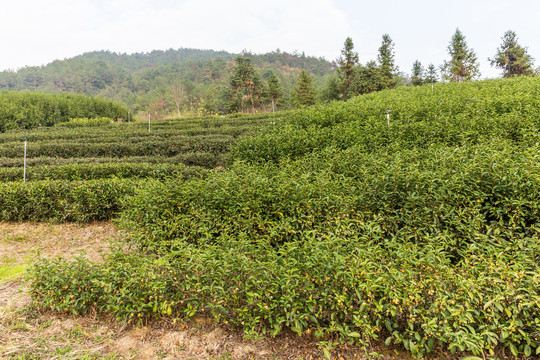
(245, 86)
(387, 63)
(331, 90)
(369, 78)
(347, 63)
(431, 76)
(512, 58)
(417, 77)
(304, 93)
(463, 65)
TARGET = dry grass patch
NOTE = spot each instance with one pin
(20, 243)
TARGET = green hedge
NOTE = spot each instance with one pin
(194, 159)
(453, 115)
(63, 200)
(213, 144)
(456, 193)
(86, 122)
(29, 110)
(90, 171)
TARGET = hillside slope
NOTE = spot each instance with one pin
(142, 81)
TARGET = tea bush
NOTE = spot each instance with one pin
(192, 159)
(63, 200)
(26, 110)
(358, 290)
(456, 193)
(453, 115)
(94, 171)
(86, 122)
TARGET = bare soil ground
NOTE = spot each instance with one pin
(26, 333)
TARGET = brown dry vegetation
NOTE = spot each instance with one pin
(22, 242)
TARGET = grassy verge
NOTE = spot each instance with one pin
(10, 272)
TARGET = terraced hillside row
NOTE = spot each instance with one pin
(200, 142)
(82, 174)
(452, 114)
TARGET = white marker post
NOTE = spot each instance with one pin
(388, 117)
(129, 116)
(24, 171)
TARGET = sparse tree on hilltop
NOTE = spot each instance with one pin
(178, 94)
(463, 65)
(431, 76)
(417, 77)
(512, 58)
(387, 63)
(347, 63)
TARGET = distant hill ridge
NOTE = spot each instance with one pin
(141, 80)
(141, 60)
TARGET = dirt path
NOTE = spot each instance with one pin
(26, 333)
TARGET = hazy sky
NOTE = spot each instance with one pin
(36, 32)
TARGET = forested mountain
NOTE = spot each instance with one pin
(146, 82)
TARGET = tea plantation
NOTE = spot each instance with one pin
(420, 231)
(82, 173)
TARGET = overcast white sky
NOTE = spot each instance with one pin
(36, 32)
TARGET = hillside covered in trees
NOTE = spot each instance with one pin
(165, 82)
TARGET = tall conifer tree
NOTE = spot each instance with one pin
(387, 63)
(463, 64)
(512, 58)
(346, 70)
(275, 90)
(304, 93)
(417, 77)
(245, 86)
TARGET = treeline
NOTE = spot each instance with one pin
(248, 91)
(353, 78)
(29, 110)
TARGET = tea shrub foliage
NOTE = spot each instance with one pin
(95, 171)
(26, 110)
(423, 232)
(61, 201)
(86, 122)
